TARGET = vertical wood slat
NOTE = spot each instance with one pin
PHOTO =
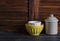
(30, 10)
(34, 9)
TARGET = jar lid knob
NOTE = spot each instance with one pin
(51, 15)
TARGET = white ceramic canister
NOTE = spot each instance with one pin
(51, 24)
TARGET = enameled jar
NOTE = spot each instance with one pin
(51, 25)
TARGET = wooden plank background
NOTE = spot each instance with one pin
(13, 15)
(48, 7)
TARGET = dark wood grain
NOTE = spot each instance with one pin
(48, 7)
(43, 8)
(13, 15)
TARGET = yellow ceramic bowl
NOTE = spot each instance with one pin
(34, 30)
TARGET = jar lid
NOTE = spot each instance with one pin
(52, 18)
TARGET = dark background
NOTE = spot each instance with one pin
(15, 13)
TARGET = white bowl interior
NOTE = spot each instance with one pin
(35, 22)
